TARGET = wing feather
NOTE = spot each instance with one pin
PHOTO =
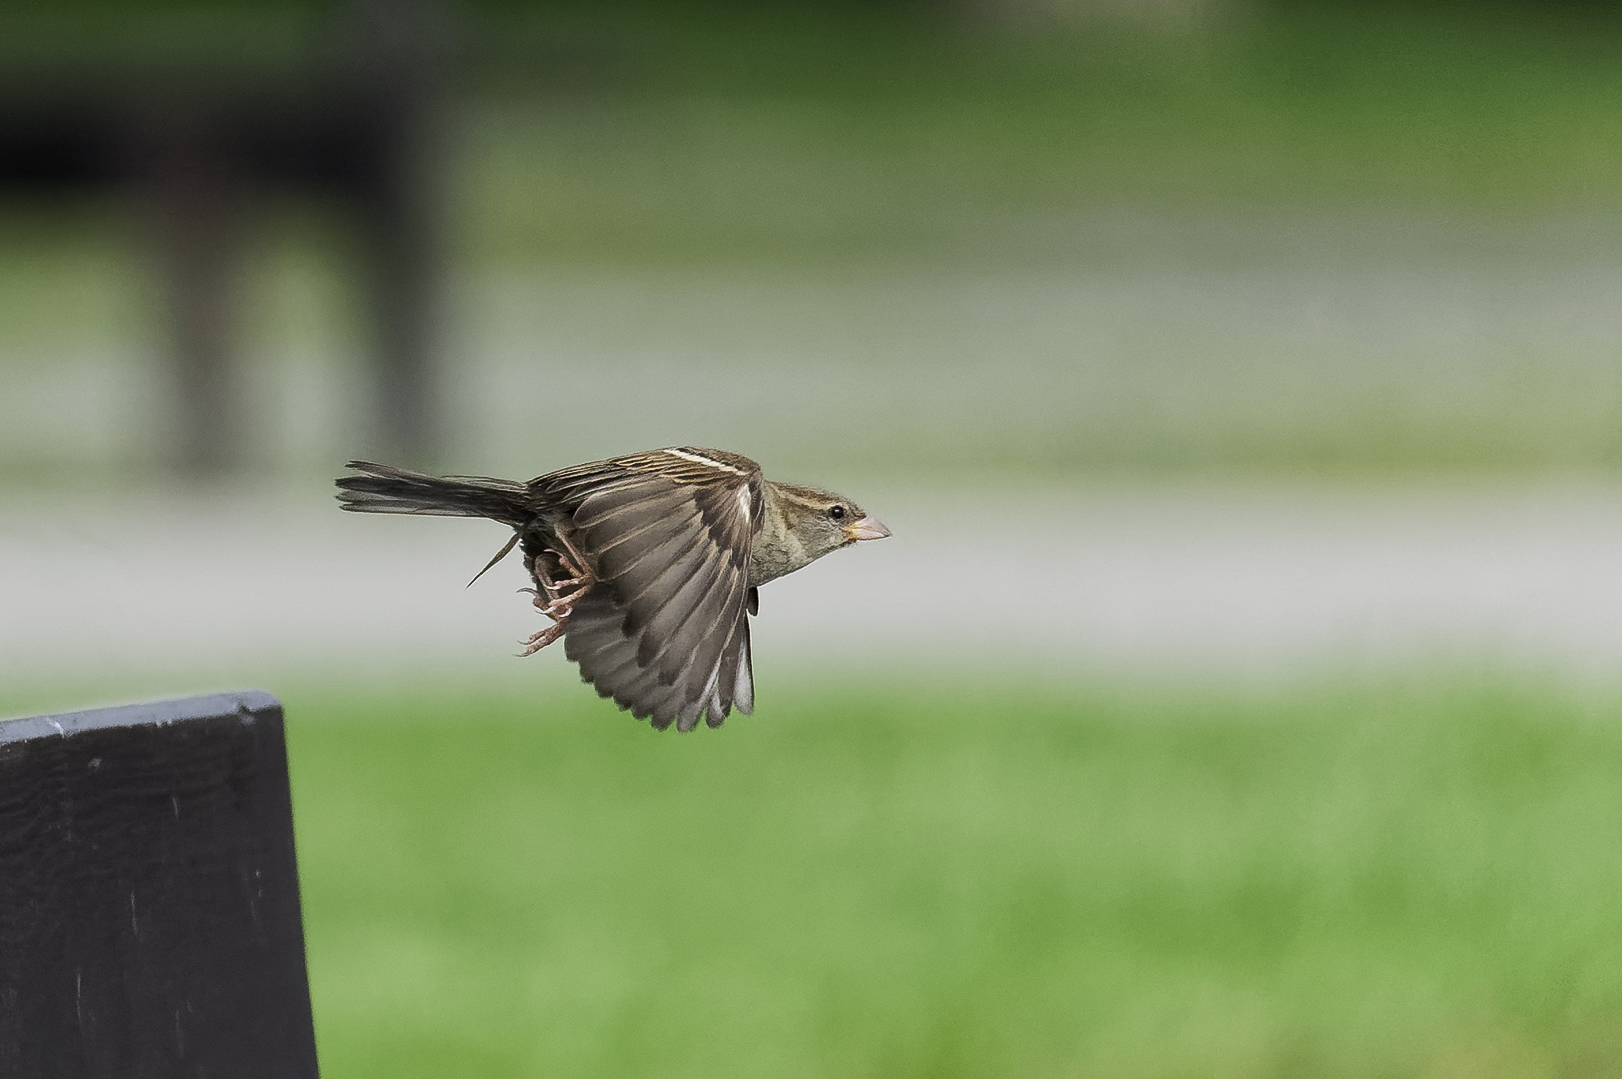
(743, 687)
(705, 635)
(634, 572)
(628, 498)
(669, 534)
(648, 584)
(689, 609)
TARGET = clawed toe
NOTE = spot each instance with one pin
(545, 637)
(556, 599)
(542, 600)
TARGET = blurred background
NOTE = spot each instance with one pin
(1241, 380)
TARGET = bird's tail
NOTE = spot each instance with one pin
(385, 489)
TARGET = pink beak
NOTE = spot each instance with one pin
(865, 529)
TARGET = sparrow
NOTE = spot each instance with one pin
(648, 565)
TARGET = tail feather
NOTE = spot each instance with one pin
(386, 489)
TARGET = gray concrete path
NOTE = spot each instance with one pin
(1254, 581)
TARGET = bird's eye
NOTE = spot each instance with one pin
(836, 512)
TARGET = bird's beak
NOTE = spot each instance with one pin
(866, 528)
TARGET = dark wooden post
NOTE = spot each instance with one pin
(149, 905)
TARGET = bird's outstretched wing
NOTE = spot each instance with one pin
(665, 632)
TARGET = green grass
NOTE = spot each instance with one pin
(1334, 882)
(636, 133)
(780, 133)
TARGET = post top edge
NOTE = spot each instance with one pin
(247, 702)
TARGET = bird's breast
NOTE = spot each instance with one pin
(773, 555)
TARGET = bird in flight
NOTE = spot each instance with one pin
(648, 565)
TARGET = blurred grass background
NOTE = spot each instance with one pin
(940, 246)
(1260, 239)
(1342, 880)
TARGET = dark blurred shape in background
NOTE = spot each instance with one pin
(205, 130)
(1047, 236)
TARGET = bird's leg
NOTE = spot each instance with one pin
(560, 596)
(555, 596)
(538, 571)
(550, 603)
(574, 563)
(558, 610)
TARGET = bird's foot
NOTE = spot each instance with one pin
(579, 578)
(545, 637)
(572, 563)
(556, 592)
(556, 599)
(558, 610)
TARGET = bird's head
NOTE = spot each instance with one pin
(823, 521)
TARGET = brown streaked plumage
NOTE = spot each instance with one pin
(648, 565)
